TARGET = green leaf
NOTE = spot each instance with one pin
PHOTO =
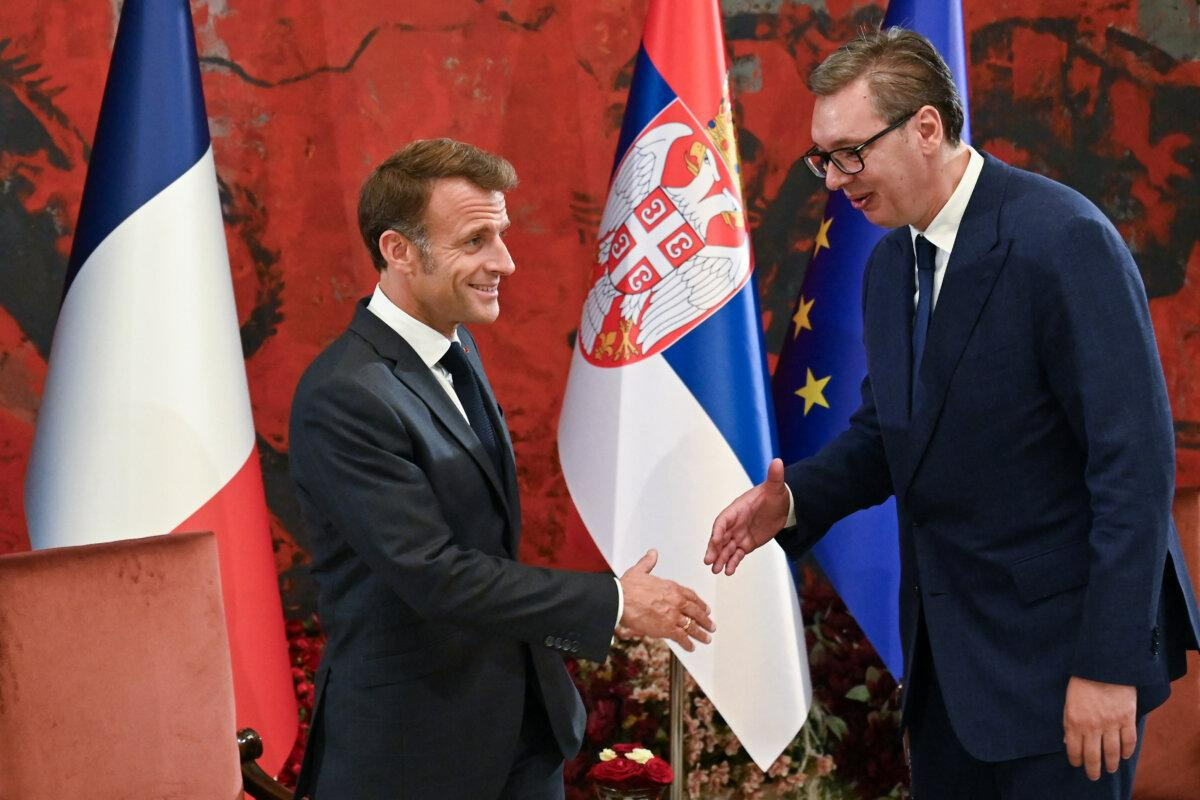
(837, 726)
(872, 675)
(860, 693)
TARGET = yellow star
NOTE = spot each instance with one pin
(823, 237)
(813, 392)
(801, 317)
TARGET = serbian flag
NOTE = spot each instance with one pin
(667, 414)
(822, 364)
(145, 423)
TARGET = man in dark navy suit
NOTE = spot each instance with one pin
(1016, 408)
(443, 675)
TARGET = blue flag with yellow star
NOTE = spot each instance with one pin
(822, 364)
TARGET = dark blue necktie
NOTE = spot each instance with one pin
(466, 386)
(925, 256)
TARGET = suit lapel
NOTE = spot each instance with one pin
(413, 373)
(889, 329)
(511, 491)
(974, 265)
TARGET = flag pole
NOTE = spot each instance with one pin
(677, 728)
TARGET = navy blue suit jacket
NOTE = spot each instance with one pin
(1034, 477)
(435, 632)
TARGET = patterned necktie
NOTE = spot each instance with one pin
(466, 386)
(925, 259)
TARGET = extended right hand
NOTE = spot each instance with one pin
(663, 609)
(749, 522)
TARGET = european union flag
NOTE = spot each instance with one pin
(822, 364)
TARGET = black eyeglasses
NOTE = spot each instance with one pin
(848, 160)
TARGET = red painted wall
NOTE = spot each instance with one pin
(305, 97)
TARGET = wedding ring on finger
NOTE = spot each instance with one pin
(687, 624)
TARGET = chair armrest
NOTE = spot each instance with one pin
(257, 783)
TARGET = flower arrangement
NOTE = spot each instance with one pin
(306, 641)
(849, 749)
(626, 769)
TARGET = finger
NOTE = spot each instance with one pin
(1074, 743)
(1111, 747)
(1092, 755)
(1129, 739)
(700, 618)
(775, 473)
(692, 601)
(646, 562)
(681, 638)
(723, 558)
(734, 560)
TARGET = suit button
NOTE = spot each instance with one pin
(917, 589)
(574, 647)
(549, 641)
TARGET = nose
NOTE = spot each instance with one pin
(502, 262)
(835, 178)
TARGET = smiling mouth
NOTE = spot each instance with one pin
(493, 289)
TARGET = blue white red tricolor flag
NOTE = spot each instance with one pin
(145, 424)
(667, 411)
(822, 364)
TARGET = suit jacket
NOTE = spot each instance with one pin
(1034, 475)
(435, 631)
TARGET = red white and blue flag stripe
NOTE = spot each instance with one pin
(145, 425)
(667, 413)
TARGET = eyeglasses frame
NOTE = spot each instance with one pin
(827, 157)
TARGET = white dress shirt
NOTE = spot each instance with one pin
(431, 346)
(943, 230)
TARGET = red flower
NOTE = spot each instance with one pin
(625, 747)
(659, 771)
(619, 773)
(602, 721)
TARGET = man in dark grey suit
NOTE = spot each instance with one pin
(1015, 407)
(443, 674)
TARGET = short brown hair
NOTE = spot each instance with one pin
(904, 71)
(396, 193)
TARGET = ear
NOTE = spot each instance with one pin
(929, 128)
(399, 252)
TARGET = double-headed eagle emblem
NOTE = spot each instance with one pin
(659, 269)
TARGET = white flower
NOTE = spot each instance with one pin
(639, 754)
(607, 754)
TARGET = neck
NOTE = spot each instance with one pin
(947, 172)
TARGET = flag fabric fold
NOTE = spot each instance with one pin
(145, 425)
(666, 416)
(822, 364)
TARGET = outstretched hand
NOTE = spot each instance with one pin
(749, 522)
(662, 609)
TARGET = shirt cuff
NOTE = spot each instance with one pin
(791, 507)
(620, 602)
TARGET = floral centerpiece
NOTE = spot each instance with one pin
(849, 749)
(630, 771)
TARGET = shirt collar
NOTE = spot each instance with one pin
(944, 229)
(429, 344)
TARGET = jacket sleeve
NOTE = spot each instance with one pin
(1102, 365)
(359, 468)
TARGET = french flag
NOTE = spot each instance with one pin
(667, 416)
(145, 425)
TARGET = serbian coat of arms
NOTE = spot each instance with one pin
(673, 247)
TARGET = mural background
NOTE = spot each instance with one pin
(305, 97)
